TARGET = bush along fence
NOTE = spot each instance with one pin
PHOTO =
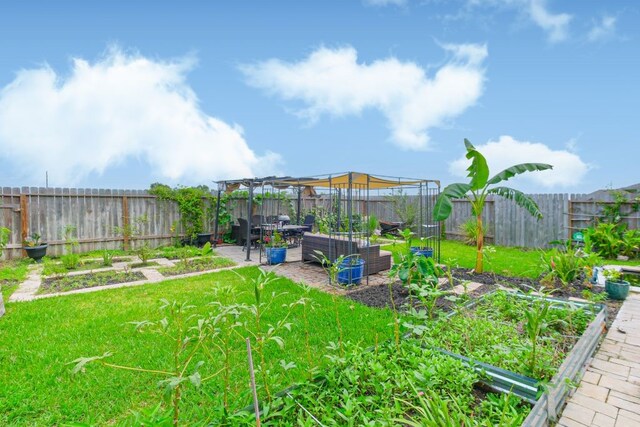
(107, 219)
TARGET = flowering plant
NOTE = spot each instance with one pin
(275, 241)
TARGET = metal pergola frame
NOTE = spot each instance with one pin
(344, 185)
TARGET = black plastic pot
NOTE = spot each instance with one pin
(203, 238)
(36, 252)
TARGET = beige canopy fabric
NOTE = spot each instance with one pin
(358, 180)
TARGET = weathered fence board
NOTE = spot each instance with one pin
(97, 213)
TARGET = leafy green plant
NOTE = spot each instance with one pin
(565, 264)
(470, 231)
(594, 297)
(262, 337)
(70, 260)
(333, 268)
(493, 331)
(612, 274)
(191, 204)
(107, 258)
(206, 250)
(480, 187)
(372, 225)
(536, 321)
(630, 245)
(413, 268)
(275, 240)
(33, 240)
(605, 239)
(5, 233)
(189, 338)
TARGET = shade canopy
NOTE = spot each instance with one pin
(354, 179)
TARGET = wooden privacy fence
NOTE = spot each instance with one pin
(97, 214)
(509, 225)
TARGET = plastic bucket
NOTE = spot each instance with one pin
(351, 271)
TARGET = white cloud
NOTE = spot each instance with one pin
(385, 2)
(568, 168)
(332, 82)
(556, 25)
(121, 106)
(603, 30)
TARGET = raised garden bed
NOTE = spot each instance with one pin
(196, 265)
(489, 338)
(392, 385)
(493, 330)
(55, 267)
(89, 280)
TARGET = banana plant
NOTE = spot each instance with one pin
(481, 186)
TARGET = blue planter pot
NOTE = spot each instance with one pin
(276, 255)
(351, 272)
(427, 252)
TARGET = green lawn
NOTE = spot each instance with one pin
(39, 338)
(12, 273)
(508, 261)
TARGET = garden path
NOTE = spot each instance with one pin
(609, 393)
(28, 289)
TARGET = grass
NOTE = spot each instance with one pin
(195, 265)
(39, 338)
(12, 273)
(507, 261)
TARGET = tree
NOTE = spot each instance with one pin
(480, 186)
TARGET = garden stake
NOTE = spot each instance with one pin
(256, 408)
(317, 421)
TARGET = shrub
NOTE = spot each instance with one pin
(469, 229)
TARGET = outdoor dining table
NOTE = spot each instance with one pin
(289, 231)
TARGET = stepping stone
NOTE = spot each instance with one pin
(471, 286)
(27, 290)
(152, 275)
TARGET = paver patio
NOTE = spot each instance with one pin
(609, 393)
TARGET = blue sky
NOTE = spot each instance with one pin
(121, 94)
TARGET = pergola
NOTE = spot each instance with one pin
(352, 196)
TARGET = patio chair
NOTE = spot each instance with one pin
(258, 220)
(309, 220)
(245, 236)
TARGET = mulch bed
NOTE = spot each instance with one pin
(89, 280)
(379, 296)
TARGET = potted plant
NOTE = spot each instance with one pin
(34, 248)
(421, 248)
(351, 269)
(416, 247)
(203, 238)
(615, 287)
(276, 248)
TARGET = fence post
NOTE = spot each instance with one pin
(570, 214)
(24, 220)
(126, 228)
